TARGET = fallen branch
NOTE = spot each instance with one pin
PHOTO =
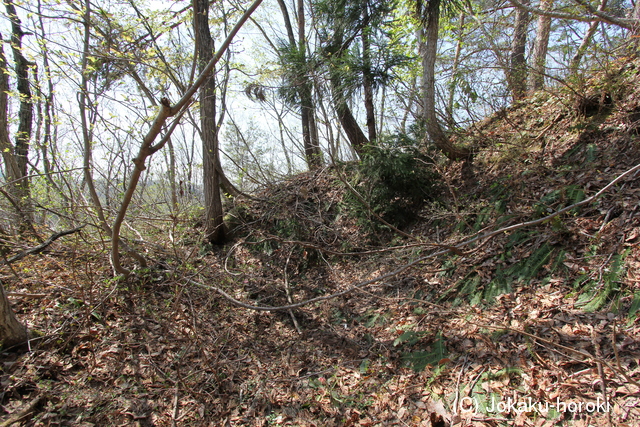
(41, 247)
(23, 413)
(583, 353)
(239, 303)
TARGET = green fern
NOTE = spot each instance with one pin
(594, 294)
(419, 360)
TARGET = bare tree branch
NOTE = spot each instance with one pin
(147, 148)
(595, 15)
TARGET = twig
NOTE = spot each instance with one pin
(615, 352)
(455, 401)
(23, 413)
(25, 295)
(475, 381)
(603, 378)
(582, 353)
(288, 292)
(605, 221)
(176, 407)
(310, 245)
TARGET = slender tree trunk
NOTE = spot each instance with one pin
(311, 142)
(86, 127)
(636, 16)
(309, 128)
(25, 114)
(18, 195)
(48, 136)
(356, 136)
(367, 81)
(586, 41)
(12, 332)
(454, 72)
(540, 48)
(214, 225)
(25, 120)
(412, 95)
(12, 170)
(517, 72)
(172, 176)
(287, 22)
(434, 130)
(87, 135)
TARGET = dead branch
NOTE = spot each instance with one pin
(583, 353)
(23, 413)
(147, 148)
(41, 247)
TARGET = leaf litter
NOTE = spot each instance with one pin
(531, 328)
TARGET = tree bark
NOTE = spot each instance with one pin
(586, 40)
(454, 71)
(431, 24)
(213, 221)
(12, 332)
(356, 136)
(12, 170)
(635, 28)
(20, 187)
(309, 128)
(367, 80)
(517, 73)
(540, 48)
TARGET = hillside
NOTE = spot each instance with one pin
(534, 326)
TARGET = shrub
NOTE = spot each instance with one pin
(395, 180)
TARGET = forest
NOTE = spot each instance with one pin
(320, 213)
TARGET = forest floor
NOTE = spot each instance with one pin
(534, 326)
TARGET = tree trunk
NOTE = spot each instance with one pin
(517, 72)
(87, 133)
(12, 170)
(540, 48)
(12, 332)
(586, 41)
(454, 72)
(25, 121)
(636, 16)
(434, 130)
(367, 81)
(356, 136)
(214, 225)
(312, 151)
(309, 128)
(172, 177)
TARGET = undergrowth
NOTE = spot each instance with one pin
(395, 179)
